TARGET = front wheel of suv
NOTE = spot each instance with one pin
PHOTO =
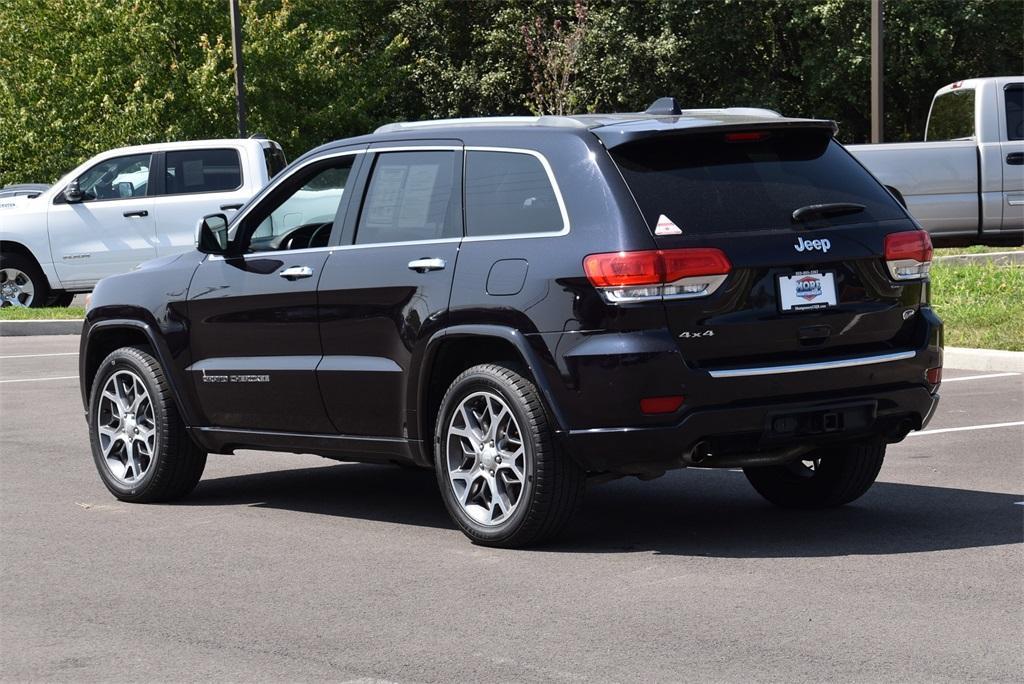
(501, 475)
(139, 442)
(826, 478)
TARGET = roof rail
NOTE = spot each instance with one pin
(563, 121)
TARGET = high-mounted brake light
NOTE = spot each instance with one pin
(746, 136)
(908, 255)
(657, 274)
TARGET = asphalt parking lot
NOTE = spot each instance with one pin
(285, 567)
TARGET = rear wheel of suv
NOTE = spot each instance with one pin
(502, 478)
(139, 442)
(826, 478)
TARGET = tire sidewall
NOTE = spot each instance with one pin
(467, 385)
(117, 361)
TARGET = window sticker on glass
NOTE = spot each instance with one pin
(419, 188)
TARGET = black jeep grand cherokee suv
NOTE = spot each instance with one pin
(522, 303)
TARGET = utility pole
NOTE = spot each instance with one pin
(236, 52)
(877, 70)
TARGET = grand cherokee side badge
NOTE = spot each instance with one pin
(238, 377)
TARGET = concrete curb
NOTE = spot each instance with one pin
(41, 327)
(997, 258)
(963, 358)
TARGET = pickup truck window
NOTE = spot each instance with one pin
(191, 171)
(1014, 98)
(300, 213)
(952, 116)
(117, 178)
(749, 181)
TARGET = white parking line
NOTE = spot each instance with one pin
(32, 356)
(966, 427)
(62, 377)
(969, 377)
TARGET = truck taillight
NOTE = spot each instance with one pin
(908, 255)
(657, 274)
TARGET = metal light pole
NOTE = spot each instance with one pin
(236, 52)
(877, 71)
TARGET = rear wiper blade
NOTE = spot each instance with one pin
(813, 211)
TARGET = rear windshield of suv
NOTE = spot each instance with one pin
(748, 181)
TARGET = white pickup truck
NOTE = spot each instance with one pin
(120, 208)
(966, 180)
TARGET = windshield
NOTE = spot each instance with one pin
(748, 181)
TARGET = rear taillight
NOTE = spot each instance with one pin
(657, 274)
(908, 255)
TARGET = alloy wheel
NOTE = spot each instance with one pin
(486, 458)
(16, 288)
(126, 427)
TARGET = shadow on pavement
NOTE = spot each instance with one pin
(689, 512)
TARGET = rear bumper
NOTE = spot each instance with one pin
(749, 433)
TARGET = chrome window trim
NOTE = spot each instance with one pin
(554, 186)
(819, 365)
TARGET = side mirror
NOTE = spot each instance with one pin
(125, 189)
(73, 193)
(212, 234)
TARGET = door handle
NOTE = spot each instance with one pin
(424, 265)
(1015, 159)
(137, 212)
(296, 272)
(227, 207)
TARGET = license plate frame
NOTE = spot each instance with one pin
(806, 291)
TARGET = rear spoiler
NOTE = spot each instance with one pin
(613, 135)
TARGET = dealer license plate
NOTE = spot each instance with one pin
(808, 290)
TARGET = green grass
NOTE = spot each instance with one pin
(973, 249)
(11, 313)
(982, 305)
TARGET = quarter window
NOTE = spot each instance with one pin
(191, 171)
(509, 193)
(117, 178)
(409, 198)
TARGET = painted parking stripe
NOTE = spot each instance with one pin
(972, 377)
(62, 377)
(32, 356)
(966, 427)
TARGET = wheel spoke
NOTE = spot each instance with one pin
(485, 458)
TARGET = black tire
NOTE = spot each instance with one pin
(553, 485)
(838, 476)
(27, 266)
(177, 463)
(60, 298)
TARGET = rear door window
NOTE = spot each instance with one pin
(509, 193)
(214, 170)
(409, 198)
(750, 181)
(1014, 98)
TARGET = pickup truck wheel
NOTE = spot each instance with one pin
(139, 442)
(502, 478)
(21, 282)
(825, 478)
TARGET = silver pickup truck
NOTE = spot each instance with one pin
(966, 180)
